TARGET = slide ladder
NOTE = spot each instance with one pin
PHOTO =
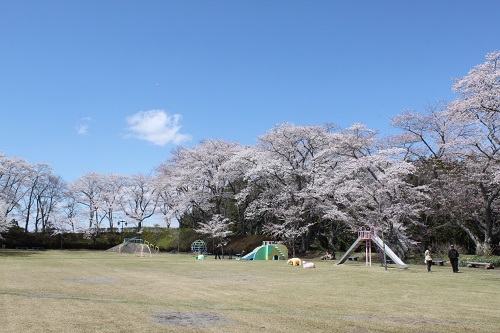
(282, 255)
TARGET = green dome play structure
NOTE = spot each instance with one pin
(268, 251)
(198, 246)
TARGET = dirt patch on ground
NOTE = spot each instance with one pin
(191, 319)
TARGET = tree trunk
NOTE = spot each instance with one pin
(28, 210)
(91, 216)
(479, 245)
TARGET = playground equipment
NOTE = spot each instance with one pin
(294, 262)
(307, 264)
(370, 236)
(133, 240)
(142, 250)
(269, 250)
(128, 245)
(198, 246)
(152, 246)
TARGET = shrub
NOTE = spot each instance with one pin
(170, 239)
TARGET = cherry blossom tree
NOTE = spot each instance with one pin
(108, 200)
(203, 185)
(138, 198)
(29, 193)
(48, 196)
(87, 189)
(218, 228)
(479, 108)
(282, 178)
(14, 174)
(378, 194)
(366, 184)
(170, 198)
(70, 213)
(34, 184)
(479, 91)
(166, 198)
(463, 134)
(288, 227)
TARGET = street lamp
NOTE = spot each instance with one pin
(122, 223)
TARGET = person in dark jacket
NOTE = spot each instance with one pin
(217, 251)
(453, 256)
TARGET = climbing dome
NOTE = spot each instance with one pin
(198, 246)
(142, 250)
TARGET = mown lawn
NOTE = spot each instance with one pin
(87, 291)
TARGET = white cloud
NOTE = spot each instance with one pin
(83, 127)
(157, 127)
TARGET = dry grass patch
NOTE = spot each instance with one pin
(85, 291)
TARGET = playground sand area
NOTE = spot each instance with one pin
(90, 291)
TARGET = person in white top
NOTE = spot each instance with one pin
(428, 259)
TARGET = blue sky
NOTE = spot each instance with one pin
(113, 86)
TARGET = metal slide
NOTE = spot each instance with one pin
(380, 243)
(389, 252)
(353, 248)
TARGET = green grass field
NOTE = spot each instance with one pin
(86, 291)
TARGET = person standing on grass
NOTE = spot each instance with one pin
(217, 252)
(453, 256)
(230, 253)
(428, 259)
